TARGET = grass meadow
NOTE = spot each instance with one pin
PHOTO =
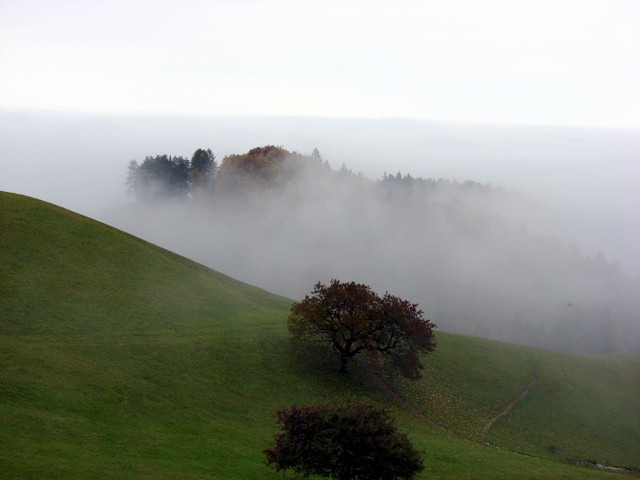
(121, 360)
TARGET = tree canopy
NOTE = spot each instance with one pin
(203, 168)
(352, 319)
(263, 167)
(348, 441)
(170, 176)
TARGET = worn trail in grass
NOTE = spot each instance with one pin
(525, 391)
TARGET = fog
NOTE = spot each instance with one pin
(547, 257)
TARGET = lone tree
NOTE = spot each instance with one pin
(350, 441)
(352, 319)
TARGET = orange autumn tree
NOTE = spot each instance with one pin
(263, 167)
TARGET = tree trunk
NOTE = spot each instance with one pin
(343, 364)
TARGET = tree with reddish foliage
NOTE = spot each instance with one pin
(352, 319)
(261, 167)
(349, 441)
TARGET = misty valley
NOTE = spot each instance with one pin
(466, 252)
(350, 240)
(168, 358)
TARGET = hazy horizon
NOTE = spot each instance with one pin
(587, 180)
(537, 62)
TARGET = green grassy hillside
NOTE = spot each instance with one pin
(121, 360)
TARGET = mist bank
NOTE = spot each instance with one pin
(517, 261)
(585, 182)
(463, 251)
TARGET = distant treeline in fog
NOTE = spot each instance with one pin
(284, 220)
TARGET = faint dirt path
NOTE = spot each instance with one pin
(384, 384)
(523, 393)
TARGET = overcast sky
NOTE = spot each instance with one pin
(559, 62)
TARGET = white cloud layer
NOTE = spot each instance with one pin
(539, 62)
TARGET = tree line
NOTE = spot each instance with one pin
(171, 176)
(166, 176)
(266, 167)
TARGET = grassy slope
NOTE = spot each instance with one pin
(579, 408)
(121, 360)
